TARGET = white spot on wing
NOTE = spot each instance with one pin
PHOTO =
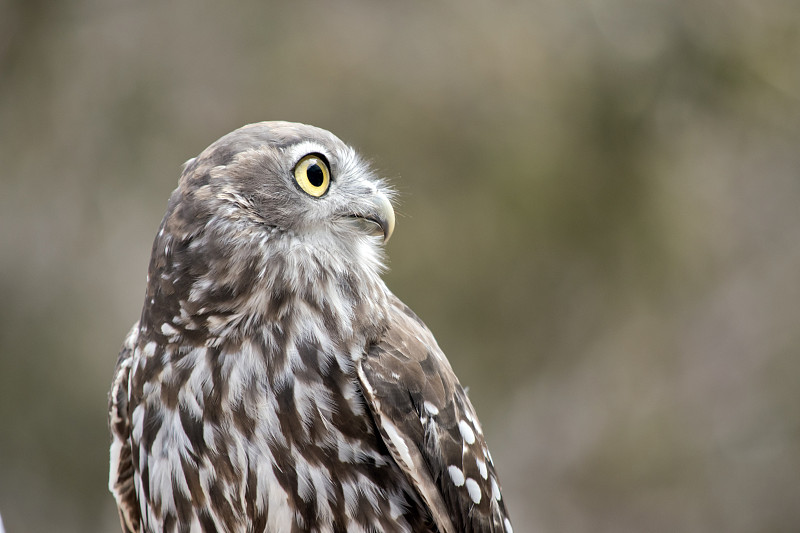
(466, 432)
(398, 442)
(482, 468)
(469, 416)
(456, 475)
(507, 523)
(474, 490)
(496, 490)
(113, 470)
(430, 408)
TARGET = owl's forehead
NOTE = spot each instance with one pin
(241, 159)
(288, 137)
(332, 152)
(288, 141)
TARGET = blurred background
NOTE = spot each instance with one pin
(599, 220)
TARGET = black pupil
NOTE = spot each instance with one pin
(315, 175)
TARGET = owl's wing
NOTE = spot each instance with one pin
(430, 426)
(120, 481)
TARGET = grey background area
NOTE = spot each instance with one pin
(599, 219)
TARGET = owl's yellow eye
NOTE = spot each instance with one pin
(312, 175)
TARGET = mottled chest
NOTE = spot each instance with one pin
(265, 433)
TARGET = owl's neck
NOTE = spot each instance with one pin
(214, 289)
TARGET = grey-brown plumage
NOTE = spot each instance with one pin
(273, 382)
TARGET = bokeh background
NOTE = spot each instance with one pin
(599, 219)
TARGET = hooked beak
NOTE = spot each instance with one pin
(378, 218)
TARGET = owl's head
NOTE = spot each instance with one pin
(271, 208)
(284, 177)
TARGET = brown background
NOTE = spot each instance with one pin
(600, 221)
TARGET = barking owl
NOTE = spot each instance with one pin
(273, 382)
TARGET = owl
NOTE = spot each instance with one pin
(273, 382)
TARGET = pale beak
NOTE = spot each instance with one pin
(378, 218)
